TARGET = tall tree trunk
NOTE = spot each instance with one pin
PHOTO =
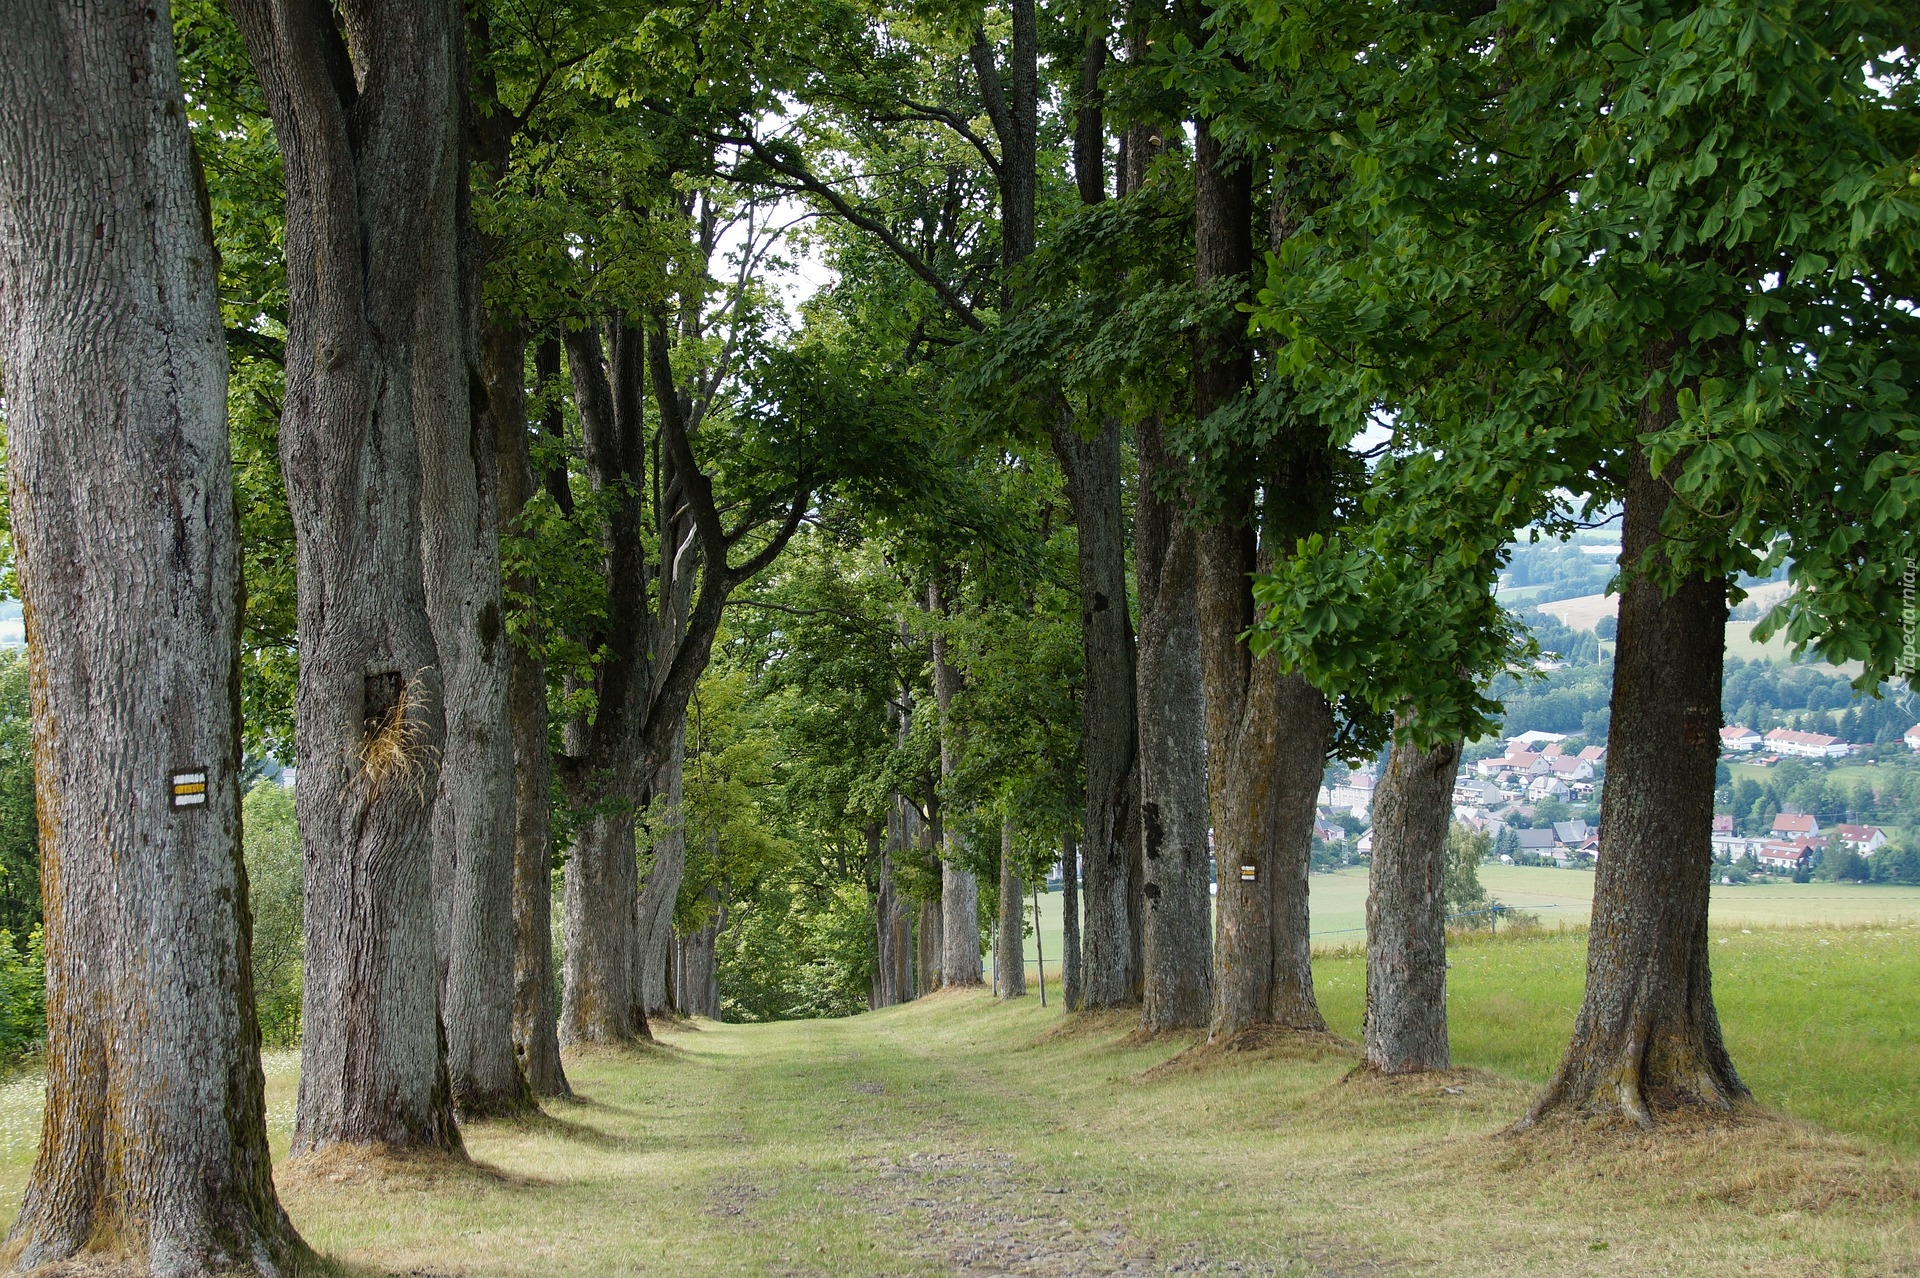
(1406, 1018)
(473, 818)
(369, 135)
(1647, 1035)
(960, 920)
(959, 890)
(696, 978)
(473, 811)
(886, 911)
(597, 925)
(154, 1140)
(535, 1024)
(929, 935)
(605, 773)
(1177, 925)
(1173, 752)
(1010, 962)
(666, 866)
(1110, 968)
(1112, 965)
(1266, 734)
(1070, 992)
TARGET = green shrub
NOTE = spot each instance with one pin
(19, 827)
(23, 994)
(275, 881)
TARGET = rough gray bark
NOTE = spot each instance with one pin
(1648, 1037)
(960, 922)
(153, 1143)
(536, 1039)
(473, 818)
(473, 813)
(1406, 1018)
(1177, 930)
(598, 1003)
(1009, 961)
(604, 771)
(891, 925)
(959, 891)
(928, 935)
(1110, 971)
(366, 114)
(660, 888)
(1266, 734)
(1070, 922)
(1178, 992)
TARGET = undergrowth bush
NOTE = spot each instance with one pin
(23, 994)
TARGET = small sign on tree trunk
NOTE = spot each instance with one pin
(190, 789)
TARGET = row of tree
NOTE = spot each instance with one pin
(1294, 314)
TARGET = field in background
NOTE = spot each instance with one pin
(1561, 899)
(1582, 613)
(1585, 612)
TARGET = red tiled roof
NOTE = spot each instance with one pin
(1802, 738)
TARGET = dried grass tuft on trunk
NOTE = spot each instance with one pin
(399, 743)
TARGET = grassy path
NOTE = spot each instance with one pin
(957, 1136)
(954, 1136)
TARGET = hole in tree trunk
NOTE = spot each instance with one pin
(382, 695)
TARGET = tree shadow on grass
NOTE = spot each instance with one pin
(543, 1122)
(388, 1168)
(1257, 1044)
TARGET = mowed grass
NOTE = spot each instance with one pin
(960, 1135)
(1822, 1023)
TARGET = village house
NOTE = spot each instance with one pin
(1789, 824)
(1571, 833)
(1807, 745)
(1738, 738)
(1518, 761)
(1469, 793)
(1535, 842)
(1570, 768)
(1784, 858)
(1913, 737)
(1864, 839)
(1548, 787)
(1727, 844)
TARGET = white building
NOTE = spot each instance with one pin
(1864, 839)
(1531, 739)
(1738, 738)
(1807, 745)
